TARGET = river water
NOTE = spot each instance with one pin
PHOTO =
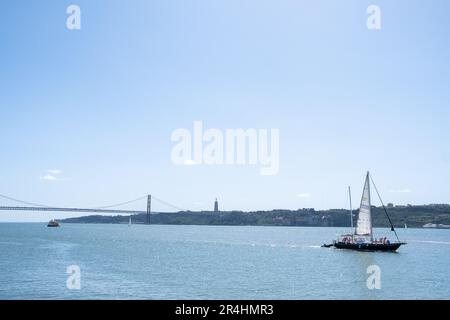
(214, 262)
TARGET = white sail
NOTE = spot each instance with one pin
(364, 223)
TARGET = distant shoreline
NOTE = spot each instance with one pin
(411, 216)
(63, 222)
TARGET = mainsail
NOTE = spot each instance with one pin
(364, 223)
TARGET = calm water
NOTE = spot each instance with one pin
(205, 262)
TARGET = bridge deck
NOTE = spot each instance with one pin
(5, 208)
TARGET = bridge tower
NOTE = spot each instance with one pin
(149, 208)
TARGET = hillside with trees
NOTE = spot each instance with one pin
(413, 216)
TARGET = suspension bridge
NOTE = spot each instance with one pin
(29, 206)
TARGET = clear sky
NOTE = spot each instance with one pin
(87, 115)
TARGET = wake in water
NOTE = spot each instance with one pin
(429, 242)
(273, 245)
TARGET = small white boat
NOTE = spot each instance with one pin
(53, 224)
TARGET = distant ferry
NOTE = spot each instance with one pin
(362, 237)
(53, 223)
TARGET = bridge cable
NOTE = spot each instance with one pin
(122, 203)
(168, 204)
(25, 202)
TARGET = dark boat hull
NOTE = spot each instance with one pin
(369, 246)
(53, 224)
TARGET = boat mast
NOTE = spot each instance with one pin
(351, 209)
(370, 207)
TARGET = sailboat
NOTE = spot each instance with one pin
(129, 222)
(362, 238)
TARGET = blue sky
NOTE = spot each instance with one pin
(99, 104)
